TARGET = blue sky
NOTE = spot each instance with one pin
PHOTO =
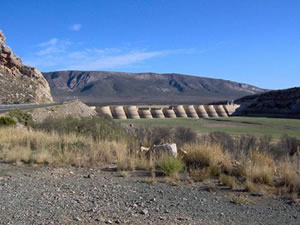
(250, 41)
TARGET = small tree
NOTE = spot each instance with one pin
(7, 121)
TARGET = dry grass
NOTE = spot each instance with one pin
(124, 174)
(125, 161)
(295, 197)
(199, 175)
(142, 163)
(204, 155)
(260, 168)
(22, 145)
(240, 199)
(228, 181)
(150, 180)
(289, 175)
(259, 172)
(211, 187)
(256, 188)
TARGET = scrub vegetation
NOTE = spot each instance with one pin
(258, 164)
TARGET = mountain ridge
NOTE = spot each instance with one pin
(102, 87)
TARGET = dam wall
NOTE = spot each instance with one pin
(167, 111)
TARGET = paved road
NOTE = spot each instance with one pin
(6, 108)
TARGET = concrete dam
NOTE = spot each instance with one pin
(167, 111)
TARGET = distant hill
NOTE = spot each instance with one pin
(98, 87)
(279, 103)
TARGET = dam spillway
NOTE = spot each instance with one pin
(145, 113)
(167, 111)
(190, 111)
(220, 111)
(157, 113)
(201, 111)
(132, 112)
(180, 111)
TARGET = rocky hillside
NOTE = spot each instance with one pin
(115, 87)
(20, 83)
(76, 109)
(279, 103)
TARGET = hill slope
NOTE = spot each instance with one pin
(279, 103)
(115, 87)
(20, 83)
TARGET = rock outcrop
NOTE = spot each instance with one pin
(76, 109)
(280, 103)
(20, 83)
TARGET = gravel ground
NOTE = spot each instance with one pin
(45, 195)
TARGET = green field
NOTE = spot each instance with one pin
(258, 126)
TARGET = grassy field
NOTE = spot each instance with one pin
(258, 126)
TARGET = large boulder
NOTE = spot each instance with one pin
(20, 83)
(158, 151)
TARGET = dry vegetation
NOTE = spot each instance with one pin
(256, 165)
(22, 145)
(256, 171)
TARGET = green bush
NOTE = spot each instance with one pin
(22, 117)
(98, 127)
(185, 135)
(149, 136)
(225, 140)
(7, 121)
(161, 135)
(170, 165)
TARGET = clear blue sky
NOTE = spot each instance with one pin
(250, 41)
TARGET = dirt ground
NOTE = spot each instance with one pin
(46, 195)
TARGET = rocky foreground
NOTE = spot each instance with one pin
(44, 195)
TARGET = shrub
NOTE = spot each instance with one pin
(22, 117)
(7, 121)
(205, 155)
(184, 135)
(289, 176)
(223, 139)
(239, 199)
(247, 143)
(97, 127)
(265, 144)
(228, 181)
(254, 187)
(161, 135)
(261, 174)
(170, 165)
(125, 161)
(250, 186)
(199, 175)
(56, 149)
(288, 145)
